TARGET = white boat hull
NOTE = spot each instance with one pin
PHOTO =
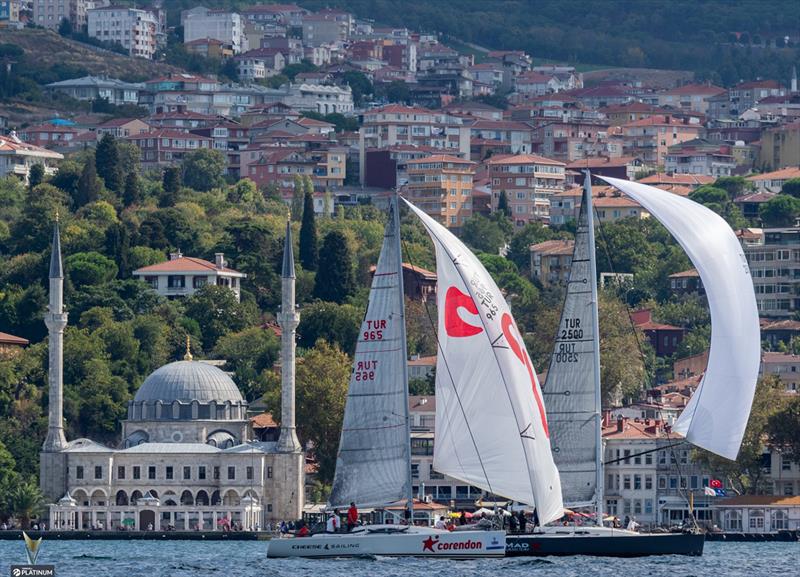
(415, 542)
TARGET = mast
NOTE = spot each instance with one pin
(403, 346)
(598, 399)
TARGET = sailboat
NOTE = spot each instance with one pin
(373, 467)
(717, 413)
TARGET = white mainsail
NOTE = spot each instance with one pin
(571, 391)
(373, 464)
(491, 426)
(716, 416)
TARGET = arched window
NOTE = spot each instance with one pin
(215, 500)
(733, 520)
(135, 496)
(780, 520)
(122, 498)
(201, 499)
(186, 498)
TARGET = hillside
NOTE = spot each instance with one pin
(47, 49)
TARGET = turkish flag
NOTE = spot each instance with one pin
(715, 484)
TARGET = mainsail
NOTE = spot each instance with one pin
(491, 426)
(570, 391)
(717, 413)
(373, 465)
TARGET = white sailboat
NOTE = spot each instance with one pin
(373, 468)
(718, 411)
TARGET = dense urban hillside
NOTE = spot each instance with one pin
(720, 41)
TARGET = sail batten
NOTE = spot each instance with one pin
(716, 416)
(569, 390)
(485, 378)
(373, 464)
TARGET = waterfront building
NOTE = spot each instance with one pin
(182, 276)
(188, 457)
(758, 513)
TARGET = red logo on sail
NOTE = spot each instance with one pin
(506, 322)
(454, 325)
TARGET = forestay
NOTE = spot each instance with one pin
(491, 427)
(569, 391)
(717, 414)
(373, 465)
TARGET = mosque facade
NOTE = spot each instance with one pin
(188, 458)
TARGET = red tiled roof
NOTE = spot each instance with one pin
(423, 361)
(7, 339)
(662, 178)
(183, 264)
(760, 501)
(691, 273)
(600, 161)
(263, 421)
(524, 159)
(440, 158)
(554, 247)
(782, 174)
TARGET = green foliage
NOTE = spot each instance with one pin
(335, 277)
(334, 323)
(107, 161)
(720, 200)
(486, 234)
(532, 233)
(782, 428)
(322, 378)
(781, 210)
(217, 313)
(734, 185)
(791, 187)
(309, 251)
(36, 175)
(26, 502)
(133, 190)
(171, 185)
(88, 187)
(297, 198)
(622, 369)
(204, 169)
(249, 354)
(90, 268)
(502, 204)
(359, 84)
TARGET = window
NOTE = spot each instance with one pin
(201, 473)
(433, 474)
(693, 482)
(627, 455)
(673, 482)
(137, 472)
(648, 459)
(187, 473)
(626, 482)
(415, 470)
(637, 482)
(637, 507)
(648, 482)
(249, 473)
(788, 489)
(648, 506)
(637, 460)
(786, 463)
(120, 472)
(231, 473)
(269, 472)
(169, 473)
(151, 472)
(79, 472)
(756, 519)
(216, 473)
(98, 472)
(176, 281)
(199, 282)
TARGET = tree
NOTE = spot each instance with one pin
(781, 210)
(309, 252)
(36, 176)
(65, 28)
(297, 198)
(485, 234)
(248, 354)
(133, 190)
(108, 163)
(734, 185)
(217, 312)
(323, 375)
(532, 233)
(333, 323)
(782, 429)
(26, 502)
(398, 91)
(502, 204)
(622, 372)
(791, 187)
(88, 189)
(359, 84)
(204, 169)
(171, 185)
(746, 475)
(90, 268)
(336, 279)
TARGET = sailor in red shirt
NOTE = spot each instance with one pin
(352, 517)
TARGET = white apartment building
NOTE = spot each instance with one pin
(182, 276)
(50, 13)
(320, 98)
(136, 30)
(227, 27)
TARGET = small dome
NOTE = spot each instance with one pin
(188, 381)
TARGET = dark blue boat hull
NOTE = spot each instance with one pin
(540, 545)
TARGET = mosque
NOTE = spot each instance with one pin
(187, 458)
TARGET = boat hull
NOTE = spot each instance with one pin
(622, 544)
(421, 542)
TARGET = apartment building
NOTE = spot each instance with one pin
(403, 125)
(325, 167)
(441, 185)
(259, 64)
(699, 156)
(650, 138)
(165, 146)
(327, 27)
(774, 258)
(528, 182)
(692, 97)
(324, 99)
(135, 30)
(50, 13)
(551, 261)
(17, 157)
(780, 146)
(200, 23)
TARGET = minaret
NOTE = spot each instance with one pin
(288, 320)
(56, 320)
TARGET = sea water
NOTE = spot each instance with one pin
(248, 559)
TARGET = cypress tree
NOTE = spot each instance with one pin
(108, 164)
(133, 190)
(88, 189)
(502, 204)
(35, 176)
(336, 279)
(309, 252)
(297, 198)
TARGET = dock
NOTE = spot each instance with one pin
(16, 535)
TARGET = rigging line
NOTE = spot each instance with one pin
(612, 461)
(502, 375)
(435, 328)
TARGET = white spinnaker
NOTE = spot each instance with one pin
(491, 426)
(716, 416)
(372, 467)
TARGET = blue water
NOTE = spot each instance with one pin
(247, 558)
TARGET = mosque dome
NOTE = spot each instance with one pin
(187, 381)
